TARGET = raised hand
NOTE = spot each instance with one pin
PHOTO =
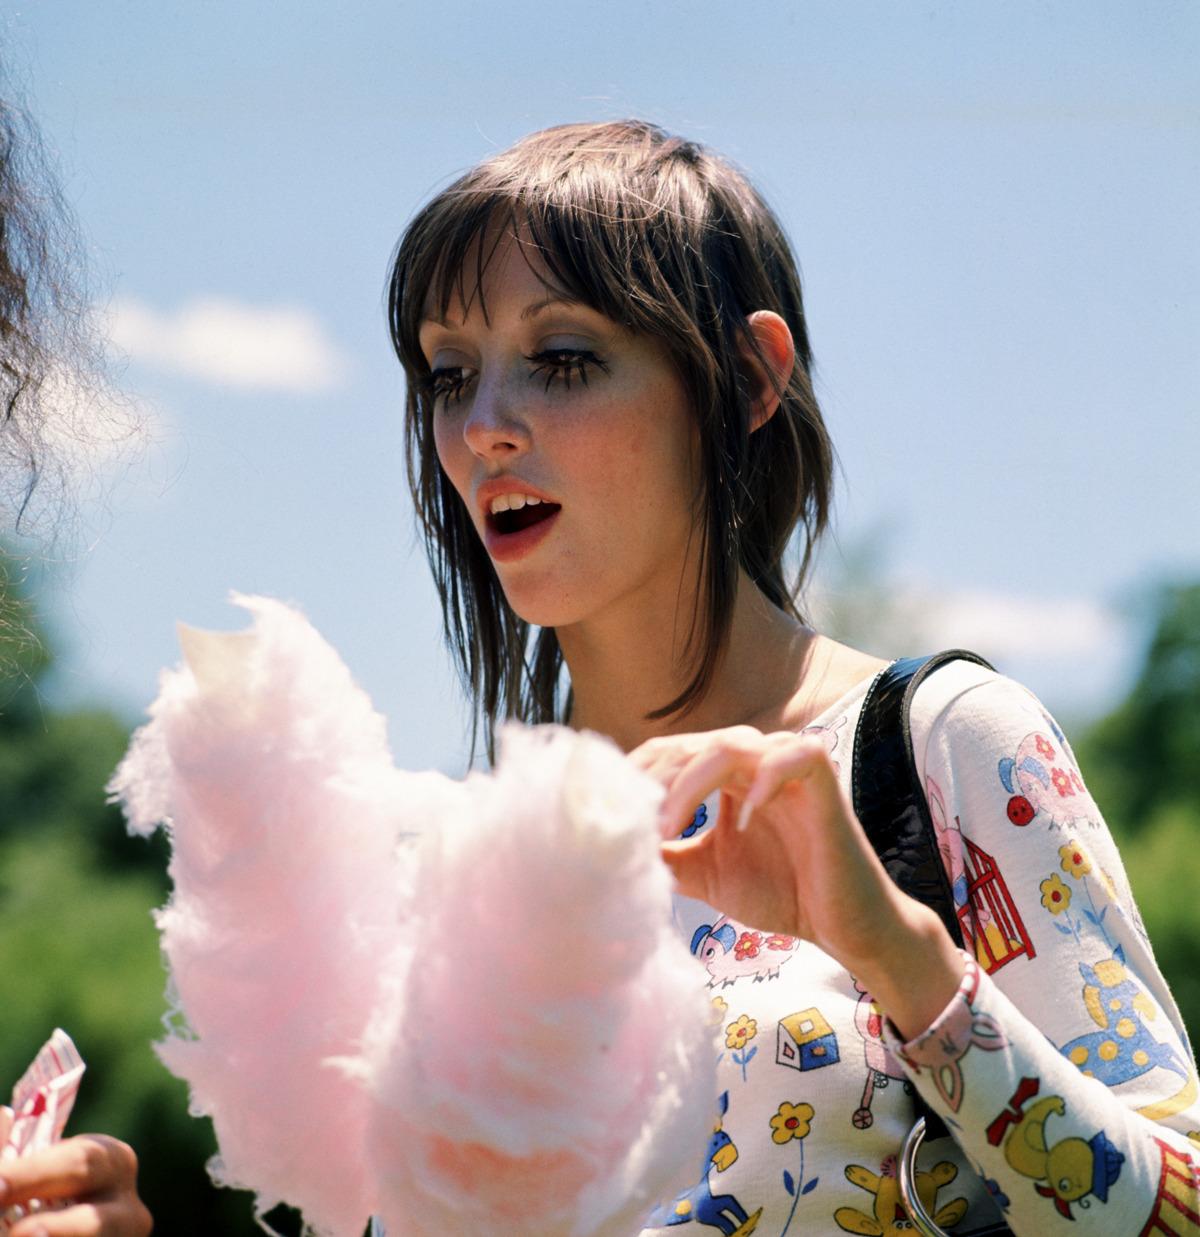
(788, 855)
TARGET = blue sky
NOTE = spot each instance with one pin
(993, 204)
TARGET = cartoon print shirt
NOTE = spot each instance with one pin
(1061, 1065)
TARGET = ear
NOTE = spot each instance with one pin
(766, 363)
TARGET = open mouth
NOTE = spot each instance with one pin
(515, 521)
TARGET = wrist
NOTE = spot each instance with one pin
(913, 969)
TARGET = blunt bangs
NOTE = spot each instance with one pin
(668, 241)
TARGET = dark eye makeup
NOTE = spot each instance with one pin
(561, 364)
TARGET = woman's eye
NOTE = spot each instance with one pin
(564, 364)
(447, 381)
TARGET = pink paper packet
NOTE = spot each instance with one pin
(41, 1103)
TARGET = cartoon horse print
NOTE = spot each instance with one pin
(1124, 1049)
(699, 1205)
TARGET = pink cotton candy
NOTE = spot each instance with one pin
(461, 1005)
(554, 1068)
(274, 772)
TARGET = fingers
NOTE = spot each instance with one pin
(96, 1176)
(741, 761)
(791, 758)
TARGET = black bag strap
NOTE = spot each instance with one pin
(889, 799)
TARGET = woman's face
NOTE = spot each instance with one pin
(571, 443)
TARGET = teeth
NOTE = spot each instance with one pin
(513, 502)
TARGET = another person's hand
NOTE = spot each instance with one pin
(96, 1176)
(788, 855)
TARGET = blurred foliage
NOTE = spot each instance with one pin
(1144, 758)
(1142, 764)
(80, 950)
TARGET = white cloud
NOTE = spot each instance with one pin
(230, 344)
(1022, 627)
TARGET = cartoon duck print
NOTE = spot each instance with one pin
(1124, 1049)
(889, 1218)
(730, 951)
(699, 1205)
(1067, 1171)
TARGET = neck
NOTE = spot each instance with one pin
(620, 672)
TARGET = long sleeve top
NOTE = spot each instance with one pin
(1061, 1067)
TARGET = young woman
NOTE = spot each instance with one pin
(612, 441)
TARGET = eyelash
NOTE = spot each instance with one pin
(556, 363)
(561, 363)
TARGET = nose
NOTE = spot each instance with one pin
(495, 425)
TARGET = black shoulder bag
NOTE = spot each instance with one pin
(890, 802)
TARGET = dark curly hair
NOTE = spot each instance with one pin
(55, 397)
(671, 241)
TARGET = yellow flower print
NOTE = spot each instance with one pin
(1056, 897)
(791, 1121)
(738, 1034)
(720, 1007)
(1110, 886)
(1074, 860)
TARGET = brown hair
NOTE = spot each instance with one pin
(670, 241)
(56, 399)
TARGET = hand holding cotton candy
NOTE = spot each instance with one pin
(461, 1005)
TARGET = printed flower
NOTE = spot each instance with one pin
(1044, 748)
(1056, 897)
(780, 942)
(1074, 859)
(698, 822)
(1110, 886)
(1077, 782)
(749, 943)
(720, 1007)
(1062, 782)
(791, 1121)
(738, 1034)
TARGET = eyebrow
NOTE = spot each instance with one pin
(548, 302)
(530, 311)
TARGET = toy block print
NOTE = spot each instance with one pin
(1042, 780)
(1068, 1171)
(730, 951)
(1124, 1048)
(806, 1041)
(990, 920)
(700, 1205)
(882, 1067)
(888, 1217)
(1176, 1211)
